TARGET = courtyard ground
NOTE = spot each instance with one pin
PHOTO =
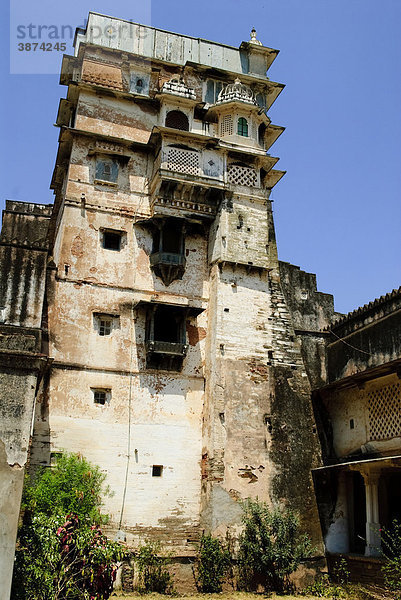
(354, 593)
(222, 596)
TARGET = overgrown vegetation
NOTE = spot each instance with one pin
(213, 563)
(391, 547)
(271, 547)
(324, 587)
(61, 551)
(151, 565)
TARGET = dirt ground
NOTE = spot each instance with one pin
(223, 596)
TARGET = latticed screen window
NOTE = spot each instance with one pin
(177, 120)
(184, 161)
(243, 127)
(226, 125)
(384, 406)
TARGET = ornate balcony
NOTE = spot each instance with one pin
(168, 266)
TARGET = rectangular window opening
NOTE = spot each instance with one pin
(101, 396)
(157, 470)
(106, 170)
(104, 326)
(112, 240)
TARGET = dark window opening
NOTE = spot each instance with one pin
(242, 127)
(351, 424)
(166, 337)
(168, 253)
(157, 470)
(261, 100)
(99, 396)
(167, 326)
(261, 134)
(177, 120)
(111, 240)
(268, 423)
(139, 83)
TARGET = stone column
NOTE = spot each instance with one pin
(373, 542)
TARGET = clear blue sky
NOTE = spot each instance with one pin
(337, 211)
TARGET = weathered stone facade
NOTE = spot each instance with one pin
(23, 260)
(182, 355)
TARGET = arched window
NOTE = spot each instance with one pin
(243, 127)
(177, 120)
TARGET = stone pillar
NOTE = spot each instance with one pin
(373, 543)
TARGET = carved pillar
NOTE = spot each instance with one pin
(373, 542)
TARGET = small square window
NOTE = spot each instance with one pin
(157, 470)
(101, 396)
(112, 240)
(104, 326)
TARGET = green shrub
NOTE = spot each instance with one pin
(61, 551)
(391, 547)
(212, 565)
(271, 547)
(73, 485)
(151, 565)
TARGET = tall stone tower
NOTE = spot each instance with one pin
(175, 364)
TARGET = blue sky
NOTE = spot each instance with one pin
(337, 210)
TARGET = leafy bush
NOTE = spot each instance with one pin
(213, 563)
(73, 485)
(271, 547)
(151, 565)
(391, 547)
(63, 554)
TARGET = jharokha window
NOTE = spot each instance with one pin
(166, 337)
(168, 254)
(242, 127)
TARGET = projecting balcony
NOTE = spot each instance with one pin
(187, 182)
(168, 266)
(169, 348)
(167, 259)
(189, 165)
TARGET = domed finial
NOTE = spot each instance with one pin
(253, 39)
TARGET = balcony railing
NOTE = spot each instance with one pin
(167, 258)
(170, 348)
(189, 162)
